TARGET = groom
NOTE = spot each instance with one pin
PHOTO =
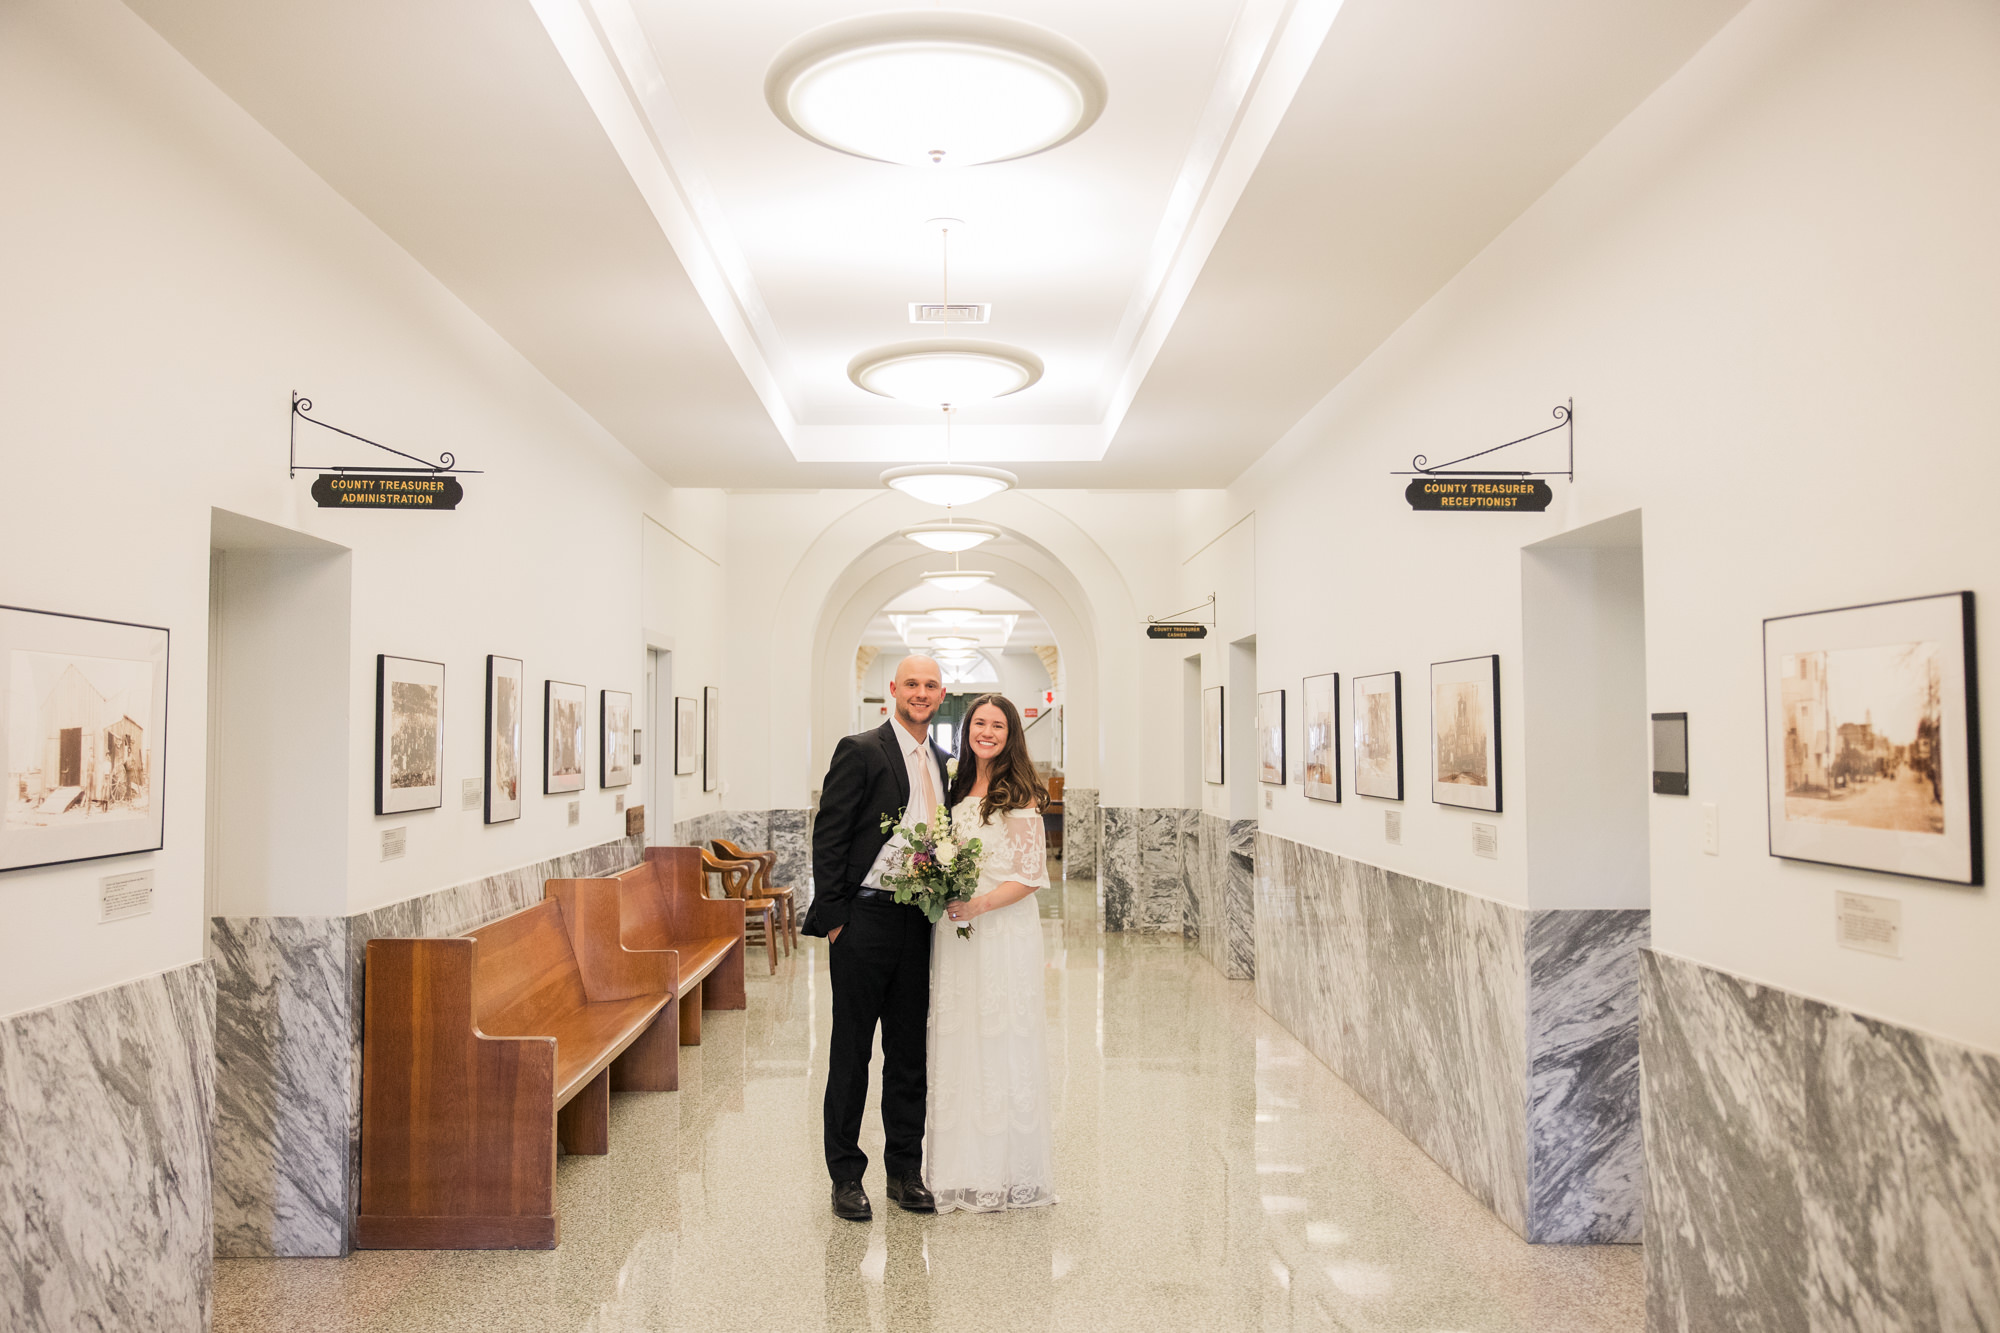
(879, 950)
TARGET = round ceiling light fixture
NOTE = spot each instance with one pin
(935, 87)
(953, 615)
(948, 484)
(951, 536)
(957, 580)
(945, 370)
(949, 641)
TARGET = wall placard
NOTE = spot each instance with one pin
(1527, 496)
(348, 490)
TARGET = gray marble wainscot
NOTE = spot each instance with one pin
(1118, 867)
(281, 1103)
(105, 1193)
(1239, 901)
(1586, 1156)
(1809, 1167)
(791, 839)
(1413, 993)
(1080, 832)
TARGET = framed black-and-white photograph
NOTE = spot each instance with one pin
(687, 736)
(506, 691)
(409, 734)
(1320, 698)
(1872, 738)
(1670, 754)
(614, 738)
(638, 746)
(1271, 737)
(1211, 734)
(83, 722)
(564, 708)
(711, 738)
(1465, 733)
(1378, 735)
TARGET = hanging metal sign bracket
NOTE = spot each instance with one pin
(1448, 486)
(1177, 627)
(302, 407)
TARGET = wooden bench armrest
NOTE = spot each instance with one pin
(454, 1124)
(610, 971)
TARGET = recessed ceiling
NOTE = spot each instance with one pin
(1272, 188)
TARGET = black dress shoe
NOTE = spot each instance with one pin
(910, 1193)
(850, 1201)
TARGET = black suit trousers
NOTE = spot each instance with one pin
(881, 972)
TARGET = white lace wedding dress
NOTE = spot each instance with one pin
(988, 1134)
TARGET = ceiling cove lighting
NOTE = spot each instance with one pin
(935, 88)
(952, 537)
(957, 580)
(945, 370)
(948, 484)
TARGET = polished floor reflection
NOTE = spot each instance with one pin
(1212, 1175)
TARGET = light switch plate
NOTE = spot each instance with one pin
(1711, 835)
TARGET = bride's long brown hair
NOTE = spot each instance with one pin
(1013, 783)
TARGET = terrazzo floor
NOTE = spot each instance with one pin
(1213, 1175)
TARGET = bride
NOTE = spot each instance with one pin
(988, 1131)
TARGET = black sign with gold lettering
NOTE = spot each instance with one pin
(352, 490)
(1176, 631)
(1479, 494)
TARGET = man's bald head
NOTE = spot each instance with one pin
(918, 689)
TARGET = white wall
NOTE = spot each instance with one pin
(683, 601)
(1774, 295)
(172, 274)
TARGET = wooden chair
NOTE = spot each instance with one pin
(761, 887)
(735, 878)
(481, 1053)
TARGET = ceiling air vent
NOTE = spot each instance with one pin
(932, 312)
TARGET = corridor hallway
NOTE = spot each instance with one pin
(1213, 1176)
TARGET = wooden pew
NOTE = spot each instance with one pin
(661, 907)
(480, 1053)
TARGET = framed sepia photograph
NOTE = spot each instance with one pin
(1378, 735)
(564, 707)
(1871, 720)
(1271, 737)
(1465, 733)
(614, 738)
(687, 736)
(711, 738)
(506, 688)
(83, 721)
(1320, 696)
(409, 734)
(1211, 734)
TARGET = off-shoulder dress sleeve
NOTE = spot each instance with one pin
(1023, 850)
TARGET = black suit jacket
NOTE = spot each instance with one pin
(867, 780)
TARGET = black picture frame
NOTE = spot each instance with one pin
(711, 734)
(1319, 707)
(569, 749)
(87, 636)
(1271, 738)
(1214, 733)
(614, 742)
(1466, 766)
(1670, 754)
(390, 799)
(1824, 771)
(505, 732)
(1370, 779)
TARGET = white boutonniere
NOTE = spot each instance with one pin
(951, 769)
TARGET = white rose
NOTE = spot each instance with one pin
(947, 851)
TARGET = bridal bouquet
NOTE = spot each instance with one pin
(936, 869)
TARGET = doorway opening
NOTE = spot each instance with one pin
(1583, 659)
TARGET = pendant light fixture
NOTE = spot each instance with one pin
(935, 88)
(951, 536)
(952, 615)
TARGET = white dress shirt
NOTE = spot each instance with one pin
(919, 760)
